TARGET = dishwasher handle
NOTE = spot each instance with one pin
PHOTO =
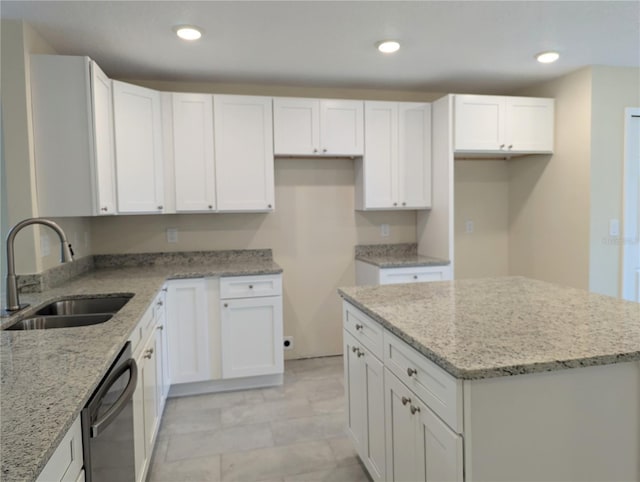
(130, 365)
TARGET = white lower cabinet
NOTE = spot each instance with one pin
(66, 462)
(363, 381)
(419, 445)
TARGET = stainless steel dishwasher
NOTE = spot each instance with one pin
(107, 424)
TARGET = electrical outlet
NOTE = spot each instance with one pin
(614, 227)
(45, 245)
(469, 227)
(172, 235)
(385, 231)
(287, 341)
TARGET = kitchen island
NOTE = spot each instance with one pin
(47, 376)
(493, 379)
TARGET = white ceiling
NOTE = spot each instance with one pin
(472, 46)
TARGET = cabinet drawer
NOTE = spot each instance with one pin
(364, 329)
(250, 286)
(439, 390)
(415, 275)
(66, 462)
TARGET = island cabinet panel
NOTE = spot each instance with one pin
(138, 141)
(65, 464)
(364, 383)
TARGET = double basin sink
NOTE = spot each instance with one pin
(73, 312)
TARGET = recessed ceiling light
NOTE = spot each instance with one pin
(188, 32)
(388, 46)
(547, 57)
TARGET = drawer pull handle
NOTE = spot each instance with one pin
(360, 353)
(359, 326)
(411, 371)
(414, 409)
(406, 400)
(148, 353)
(160, 327)
(160, 303)
(250, 287)
(354, 349)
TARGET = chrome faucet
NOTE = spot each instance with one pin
(66, 255)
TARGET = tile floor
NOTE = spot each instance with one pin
(292, 433)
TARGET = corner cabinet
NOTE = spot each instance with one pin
(395, 172)
(486, 124)
(73, 136)
(314, 127)
(138, 145)
(243, 135)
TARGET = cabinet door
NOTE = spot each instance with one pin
(414, 152)
(342, 127)
(296, 126)
(442, 457)
(138, 144)
(193, 152)
(405, 449)
(380, 162)
(105, 185)
(188, 331)
(251, 332)
(479, 123)
(529, 124)
(244, 153)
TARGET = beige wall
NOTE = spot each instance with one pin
(312, 232)
(549, 207)
(613, 89)
(19, 40)
(481, 191)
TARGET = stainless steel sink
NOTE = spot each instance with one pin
(84, 306)
(59, 321)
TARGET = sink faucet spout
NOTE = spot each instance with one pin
(66, 255)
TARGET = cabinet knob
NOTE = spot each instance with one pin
(359, 326)
(269, 206)
(226, 305)
(411, 371)
(404, 204)
(415, 276)
(315, 150)
(510, 146)
(148, 353)
(164, 289)
(250, 287)
(414, 409)
(160, 327)
(360, 353)
(405, 400)
(160, 208)
(160, 303)
(210, 206)
(501, 146)
(324, 150)
(395, 204)
(105, 209)
(354, 349)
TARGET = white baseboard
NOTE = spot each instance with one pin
(214, 386)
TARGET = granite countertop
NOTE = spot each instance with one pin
(47, 376)
(402, 255)
(496, 327)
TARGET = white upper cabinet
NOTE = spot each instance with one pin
(503, 125)
(193, 156)
(138, 141)
(314, 127)
(395, 172)
(73, 136)
(244, 153)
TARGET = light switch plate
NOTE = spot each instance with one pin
(469, 227)
(385, 231)
(614, 227)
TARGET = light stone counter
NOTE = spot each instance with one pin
(496, 327)
(401, 255)
(47, 376)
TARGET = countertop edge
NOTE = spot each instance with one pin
(401, 264)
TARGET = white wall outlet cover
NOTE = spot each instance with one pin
(172, 235)
(614, 227)
(385, 231)
(469, 227)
